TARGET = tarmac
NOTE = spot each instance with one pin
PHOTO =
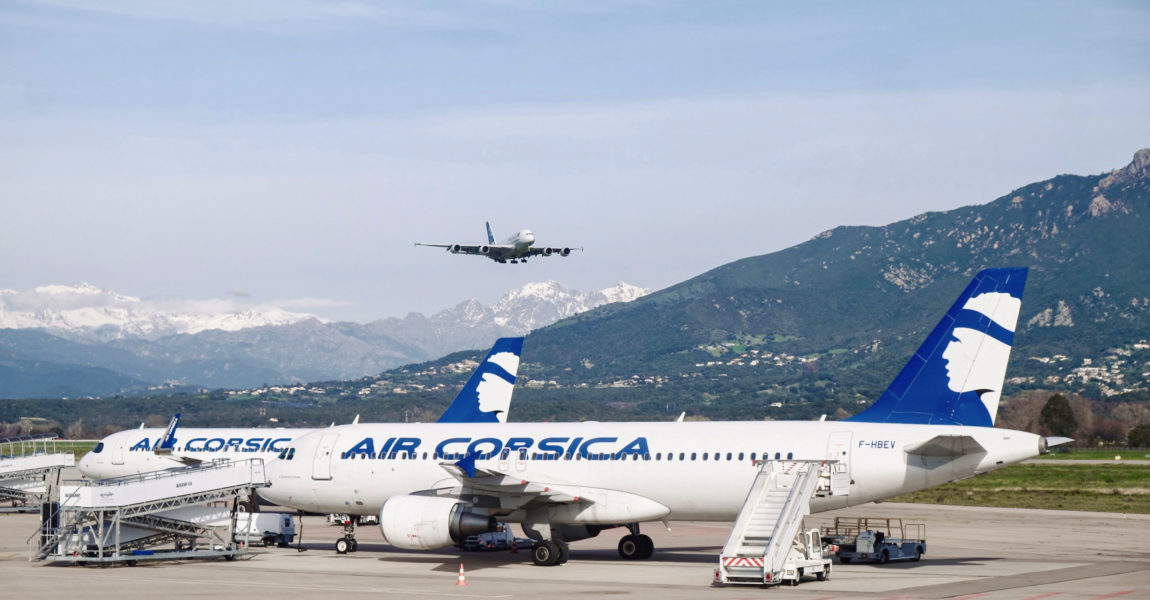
(972, 553)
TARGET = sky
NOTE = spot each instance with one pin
(290, 152)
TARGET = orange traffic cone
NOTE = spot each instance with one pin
(514, 548)
(462, 577)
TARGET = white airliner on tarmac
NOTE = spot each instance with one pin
(435, 484)
(514, 249)
(485, 398)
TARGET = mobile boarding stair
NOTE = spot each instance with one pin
(125, 520)
(766, 546)
(29, 467)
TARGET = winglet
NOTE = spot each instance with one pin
(168, 442)
(467, 463)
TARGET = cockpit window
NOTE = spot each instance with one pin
(99, 447)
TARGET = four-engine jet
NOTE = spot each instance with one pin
(514, 249)
(433, 485)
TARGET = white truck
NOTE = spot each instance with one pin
(267, 528)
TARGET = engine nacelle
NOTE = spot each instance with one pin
(426, 523)
(484, 249)
(565, 252)
(454, 249)
(547, 251)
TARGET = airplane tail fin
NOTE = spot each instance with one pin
(487, 396)
(168, 442)
(956, 376)
(490, 236)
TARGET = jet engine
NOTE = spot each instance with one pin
(565, 252)
(547, 251)
(484, 249)
(426, 523)
(454, 249)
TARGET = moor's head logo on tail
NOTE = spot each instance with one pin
(956, 377)
(486, 397)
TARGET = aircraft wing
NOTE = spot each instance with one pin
(484, 250)
(512, 491)
(548, 251)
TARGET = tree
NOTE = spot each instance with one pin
(1058, 417)
(1139, 437)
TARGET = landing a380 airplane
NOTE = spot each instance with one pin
(434, 484)
(485, 398)
(514, 249)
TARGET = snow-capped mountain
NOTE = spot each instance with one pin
(89, 313)
(108, 343)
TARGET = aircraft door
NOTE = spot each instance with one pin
(118, 453)
(521, 460)
(839, 449)
(321, 462)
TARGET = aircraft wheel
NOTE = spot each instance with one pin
(629, 547)
(822, 575)
(545, 554)
(646, 547)
(341, 546)
(564, 552)
(917, 554)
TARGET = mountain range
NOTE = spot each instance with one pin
(82, 340)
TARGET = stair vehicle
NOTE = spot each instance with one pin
(768, 545)
(878, 539)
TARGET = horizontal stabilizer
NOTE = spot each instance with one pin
(947, 446)
(1056, 440)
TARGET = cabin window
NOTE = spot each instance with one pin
(741, 456)
(693, 456)
(790, 455)
(523, 454)
(636, 457)
(647, 456)
(728, 456)
(704, 456)
(658, 456)
(682, 455)
(424, 456)
(778, 456)
(503, 455)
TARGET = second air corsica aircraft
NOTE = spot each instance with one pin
(514, 249)
(435, 484)
(485, 398)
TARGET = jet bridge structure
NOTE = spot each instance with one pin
(175, 514)
(29, 468)
(766, 532)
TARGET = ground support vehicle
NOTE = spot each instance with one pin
(880, 539)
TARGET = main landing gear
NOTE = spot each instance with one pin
(636, 546)
(347, 543)
(548, 553)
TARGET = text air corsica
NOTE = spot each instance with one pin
(462, 446)
(256, 444)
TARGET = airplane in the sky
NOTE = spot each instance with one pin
(434, 484)
(485, 398)
(514, 249)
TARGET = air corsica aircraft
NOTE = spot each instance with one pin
(516, 248)
(485, 398)
(433, 485)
